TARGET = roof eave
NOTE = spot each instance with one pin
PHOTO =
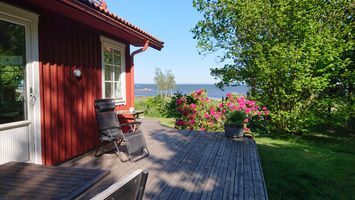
(97, 20)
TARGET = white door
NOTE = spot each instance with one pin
(19, 86)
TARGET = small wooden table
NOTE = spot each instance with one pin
(30, 181)
(135, 113)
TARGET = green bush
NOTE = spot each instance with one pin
(236, 118)
(152, 106)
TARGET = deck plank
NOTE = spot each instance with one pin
(189, 178)
(212, 179)
(182, 167)
(229, 184)
(186, 165)
(201, 172)
(222, 173)
(247, 173)
(201, 182)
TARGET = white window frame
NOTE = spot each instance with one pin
(122, 48)
(30, 21)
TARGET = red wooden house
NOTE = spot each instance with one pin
(56, 58)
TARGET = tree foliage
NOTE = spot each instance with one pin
(165, 81)
(292, 54)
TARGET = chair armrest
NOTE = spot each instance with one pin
(131, 123)
(128, 187)
(111, 127)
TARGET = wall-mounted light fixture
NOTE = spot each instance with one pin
(77, 73)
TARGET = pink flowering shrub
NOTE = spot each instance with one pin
(198, 112)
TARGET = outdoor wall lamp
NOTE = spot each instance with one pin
(77, 73)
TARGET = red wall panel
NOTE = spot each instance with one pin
(67, 103)
(68, 118)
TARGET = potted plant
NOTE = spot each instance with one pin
(234, 125)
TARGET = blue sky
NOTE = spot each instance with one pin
(171, 22)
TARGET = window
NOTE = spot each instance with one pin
(113, 70)
(12, 72)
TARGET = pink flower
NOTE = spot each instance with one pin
(246, 120)
(241, 100)
(192, 122)
(206, 116)
(179, 122)
(250, 103)
(266, 112)
(202, 129)
(264, 108)
(247, 111)
(193, 106)
(221, 105)
(212, 111)
(247, 130)
(259, 113)
(199, 92)
(179, 101)
(229, 95)
(229, 104)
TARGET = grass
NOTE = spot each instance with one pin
(319, 165)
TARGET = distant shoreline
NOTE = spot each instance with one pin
(212, 90)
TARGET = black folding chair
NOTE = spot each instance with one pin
(110, 131)
(130, 187)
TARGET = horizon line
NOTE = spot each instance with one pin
(182, 83)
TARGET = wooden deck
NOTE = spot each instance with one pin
(186, 165)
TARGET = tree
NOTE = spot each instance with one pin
(165, 81)
(289, 52)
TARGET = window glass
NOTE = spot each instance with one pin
(12, 72)
(117, 73)
(108, 90)
(117, 57)
(108, 73)
(108, 55)
(118, 94)
(112, 73)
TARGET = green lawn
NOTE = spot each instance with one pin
(320, 165)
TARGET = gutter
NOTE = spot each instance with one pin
(145, 47)
(138, 51)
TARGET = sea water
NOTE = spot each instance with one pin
(212, 90)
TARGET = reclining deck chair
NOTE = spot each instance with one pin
(110, 131)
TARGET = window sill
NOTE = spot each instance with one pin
(120, 102)
(12, 125)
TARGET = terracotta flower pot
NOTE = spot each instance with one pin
(233, 131)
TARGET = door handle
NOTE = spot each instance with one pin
(33, 97)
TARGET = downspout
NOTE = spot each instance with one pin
(138, 51)
(145, 47)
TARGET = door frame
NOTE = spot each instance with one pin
(30, 21)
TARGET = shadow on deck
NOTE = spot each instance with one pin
(186, 165)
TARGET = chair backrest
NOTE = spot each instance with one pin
(105, 114)
(130, 187)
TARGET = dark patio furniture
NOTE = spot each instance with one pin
(130, 187)
(110, 131)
